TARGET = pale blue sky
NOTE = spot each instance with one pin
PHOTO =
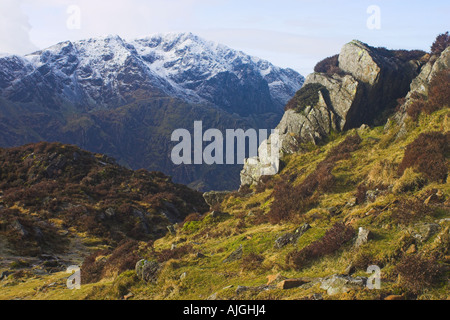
(289, 33)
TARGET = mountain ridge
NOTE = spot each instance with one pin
(90, 93)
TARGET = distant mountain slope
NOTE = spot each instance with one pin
(65, 93)
(52, 195)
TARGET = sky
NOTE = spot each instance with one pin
(289, 33)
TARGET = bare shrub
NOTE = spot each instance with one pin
(418, 272)
(428, 154)
(332, 241)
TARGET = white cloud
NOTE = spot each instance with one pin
(128, 19)
(14, 28)
(294, 50)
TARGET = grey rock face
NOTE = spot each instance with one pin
(370, 83)
(345, 94)
(420, 85)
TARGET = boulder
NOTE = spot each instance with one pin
(371, 81)
(384, 77)
(336, 284)
(147, 270)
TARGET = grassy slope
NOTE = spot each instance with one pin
(217, 239)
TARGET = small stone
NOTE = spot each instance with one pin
(110, 212)
(363, 237)
(128, 296)
(291, 283)
(183, 276)
(412, 249)
(316, 296)
(235, 255)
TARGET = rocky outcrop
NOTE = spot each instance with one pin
(436, 64)
(371, 80)
(420, 85)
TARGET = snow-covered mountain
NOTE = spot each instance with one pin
(109, 71)
(125, 98)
